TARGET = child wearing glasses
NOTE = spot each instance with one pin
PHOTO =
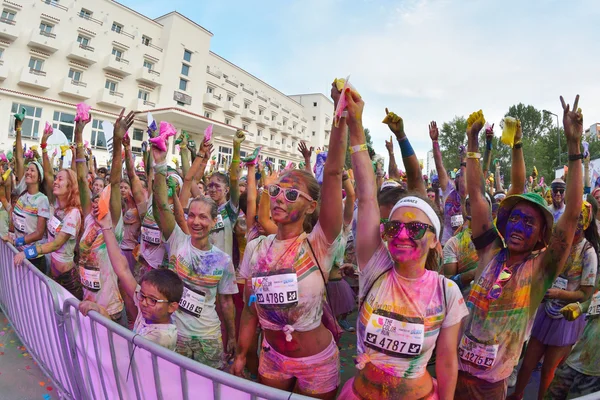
(156, 297)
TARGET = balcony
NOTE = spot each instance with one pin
(34, 78)
(77, 89)
(3, 70)
(231, 108)
(44, 40)
(8, 29)
(142, 105)
(110, 98)
(275, 126)
(149, 77)
(89, 18)
(117, 65)
(55, 4)
(212, 100)
(263, 120)
(82, 53)
(249, 114)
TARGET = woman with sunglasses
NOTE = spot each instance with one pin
(406, 309)
(513, 274)
(552, 336)
(286, 275)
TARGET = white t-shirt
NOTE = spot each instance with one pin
(26, 212)
(69, 223)
(400, 320)
(204, 274)
(152, 245)
(557, 212)
(164, 335)
(222, 234)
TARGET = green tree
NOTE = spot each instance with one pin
(369, 141)
(452, 136)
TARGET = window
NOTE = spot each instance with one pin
(36, 64)
(143, 95)
(259, 133)
(179, 103)
(260, 111)
(65, 122)
(111, 85)
(243, 154)
(46, 28)
(283, 141)
(87, 14)
(245, 127)
(1, 53)
(271, 159)
(83, 41)
(313, 133)
(138, 134)
(183, 84)
(246, 106)
(117, 53)
(228, 121)
(314, 118)
(187, 55)
(225, 154)
(98, 139)
(185, 69)
(116, 27)
(31, 123)
(314, 104)
(8, 15)
(207, 114)
(149, 65)
(273, 117)
(209, 89)
(271, 137)
(146, 40)
(229, 98)
(285, 122)
(75, 75)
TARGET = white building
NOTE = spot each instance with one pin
(56, 53)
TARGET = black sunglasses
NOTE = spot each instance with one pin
(556, 190)
(415, 230)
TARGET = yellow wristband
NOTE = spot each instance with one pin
(358, 148)
(472, 154)
(80, 145)
(18, 129)
(182, 146)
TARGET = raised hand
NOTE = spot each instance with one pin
(394, 122)
(476, 119)
(354, 107)
(205, 150)
(271, 178)
(123, 123)
(48, 130)
(519, 132)
(389, 145)
(434, 133)
(239, 137)
(489, 132)
(335, 94)
(572, 120)
(305, 151)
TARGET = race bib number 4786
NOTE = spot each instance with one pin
(276, 290)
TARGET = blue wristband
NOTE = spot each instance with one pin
(31, 252)
(456, 279)
(406, 148)
(20, 241)
(251, 300)
(488, 144)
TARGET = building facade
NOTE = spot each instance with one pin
(56, 53)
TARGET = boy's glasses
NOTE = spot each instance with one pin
(151, 301)
(415, 230)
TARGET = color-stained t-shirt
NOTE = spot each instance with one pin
(453, 218)
(400, 319)
(222, 234)
(164, 335)
(286, 281)
(65, 222)
(4, 220)
(97, 276)
(557, 212)
(580, 270)
(586, 352)
(152, 244)
(204, 274)
(461, 250)
(131, 229)
(496, 329)
(25, 215)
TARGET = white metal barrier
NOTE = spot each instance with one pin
(95, 358)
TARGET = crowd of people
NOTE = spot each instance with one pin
(460, 286)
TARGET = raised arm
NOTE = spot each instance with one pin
(234, 169)
(498, 178)
(330, 215)
(264, 207)
(487, 154)
(81, 169)
(564, 230)
(185, 153)
(140, 196)
(251, 196)
(196, 170)
(392, 167)
(166, 219)
(122, 124)
(307, 154)
(517, 169)
(178, 209)
(19, 160)
(47, 165)
(348, 187)
(437, 156)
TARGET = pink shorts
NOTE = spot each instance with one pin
(316, 374)
(348, 392)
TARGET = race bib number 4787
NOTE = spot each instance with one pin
(394, 335)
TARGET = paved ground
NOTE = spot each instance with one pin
(20, 377)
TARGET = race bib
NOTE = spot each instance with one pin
(276, 290)
(151, 235)
(560, 283)
(394, 335)
(52, 225)
(192, 302)
(19, 222)
(594, 308)
(220, 224)
(481, 356)
(90, 278)
(456, 220)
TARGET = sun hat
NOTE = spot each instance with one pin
(535, 199)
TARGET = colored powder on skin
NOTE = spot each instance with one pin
(408, 214)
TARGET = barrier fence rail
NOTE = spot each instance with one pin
(94, 358)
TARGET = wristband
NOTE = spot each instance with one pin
(44, 150)
(107, 229)
(43, 145)
(182, 146)
(236, 161)
(80, 160)
(402, 139)
(472, 154)
(18, 129)
(160, 169)
(31, 252)
(405, 148)
(518, 145)
(20, 241)
(575, 157)
(358, 148)
(80, 145)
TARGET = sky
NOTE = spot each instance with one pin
(423, 59)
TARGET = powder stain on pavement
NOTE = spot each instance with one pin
(20, 377)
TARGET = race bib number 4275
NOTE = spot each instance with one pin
(479, 355)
